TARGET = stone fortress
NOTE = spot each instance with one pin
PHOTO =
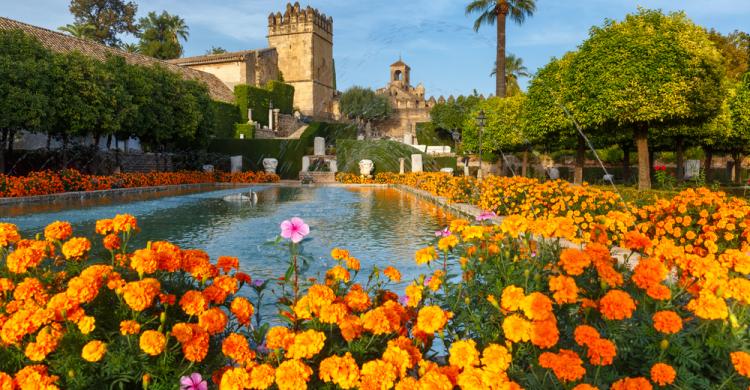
(300, 53)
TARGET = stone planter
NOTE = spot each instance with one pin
(318, 177)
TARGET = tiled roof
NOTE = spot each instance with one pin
(62, 43)
(399, 63)
(214, 58)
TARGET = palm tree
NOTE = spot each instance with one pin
(79, 30)
(496, 12)
(161, 34)
(514, 69)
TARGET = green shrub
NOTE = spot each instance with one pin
(255, 98)
(226, 115)
(282, 96)
(245, 129)
(385, 155)
(428, 134)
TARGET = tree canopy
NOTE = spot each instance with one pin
(504, 125)
(364, 104)
(109, 18)
(161, 34)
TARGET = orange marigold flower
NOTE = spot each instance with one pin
(124, 223)
(112, 242)
(584, 335)
(339, 254)
(516, 328)
(76, 248)
(104, 226)
(262, 376)
(235, 378)
(463, 354)
(584, 386)
(741, 362)
(667, 321)
(496, 358)
(8, 234)
(144, 261)
(398, 358)
(6, 285)
(632, 384)
(377, 374)
(242, 309)
(431, 319)
(662, 374)
(213, 320)
(93, 351)
(356, 299)
(352, 263)
(236, 347)
(20, 260)
(306, 345)
(544, 334)
(35, 377)
(6, 381)
(574, 261)
(601, 352)
(140, 295)
(338, 273)
(292, 375)
(351, 327)
(564, 289)
(58, 231)
(227, 263)
(393, 274)
(279, 337)
(129, 327)
(152, 342)
(86, 324)
(566, 365)
(637, 241)
(708, 306)
(342, 371)
(616, 305)
(537, 306)
(649, 272)
(511, 298)
(333, 313)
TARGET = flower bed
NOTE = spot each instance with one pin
(512, 313)
(52, 182)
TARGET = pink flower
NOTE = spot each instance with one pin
(443, 233)
(295, 229)
(193, 382)
(486, 215)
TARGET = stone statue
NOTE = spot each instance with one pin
(270, 164)
(366, 167)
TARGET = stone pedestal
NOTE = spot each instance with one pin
(401, 165)
(250, 115)
(270, 164)
(305, 163)
(416, 162)
(276, 122)
(235, 164)
(319, 146)
(466, 169)
(365, 167)
(408, 139)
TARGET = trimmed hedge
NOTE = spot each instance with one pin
(282, 96)
(256, 98)
(385, 154)
(428, 134)
(226, 115)
(246, 129)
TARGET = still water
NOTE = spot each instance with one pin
(379, 226)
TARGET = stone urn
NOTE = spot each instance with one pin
(270, 164)
(365, 167)
(447, 170)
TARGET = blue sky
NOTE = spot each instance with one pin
(434, 37)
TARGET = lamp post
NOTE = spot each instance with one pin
(480, 122)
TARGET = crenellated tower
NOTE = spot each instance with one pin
(303, 39)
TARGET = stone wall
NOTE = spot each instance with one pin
(230, 73)
(145, 162)
(403, 120)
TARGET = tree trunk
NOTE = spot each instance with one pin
(49, 141)
(525, 164)
(644, 165)
(109, 142)
(625, 163)
(65, 152)
(580, 161)
(500, 71)
(680, 159)
(3, 139)
(737, 157)
(709, 152)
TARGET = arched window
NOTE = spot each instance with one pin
(397, 75)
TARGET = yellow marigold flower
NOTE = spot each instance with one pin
(129, 327)
(279, 337)
(292, 375)
(458, 225)
(306, 345)
(58, 231)
(472, 232)
(338, 273)
(393, 274)
(514, 225)
(152, 342)
(86, 324)
(398, 358)
(447, 243)
(377, 374)
(333, 313)
(435, 380)
(496, 358)
(516, 328)
(741, 362)
(235, 378)
(425, 255)
(463, 354)
(708, 306)
(431, 319)
(262, 376)
(511, 298)
(342, 371)
(414, 294)
(339, 254)
(93, 351)
(662, 374)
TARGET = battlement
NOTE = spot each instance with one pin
(296, 19)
